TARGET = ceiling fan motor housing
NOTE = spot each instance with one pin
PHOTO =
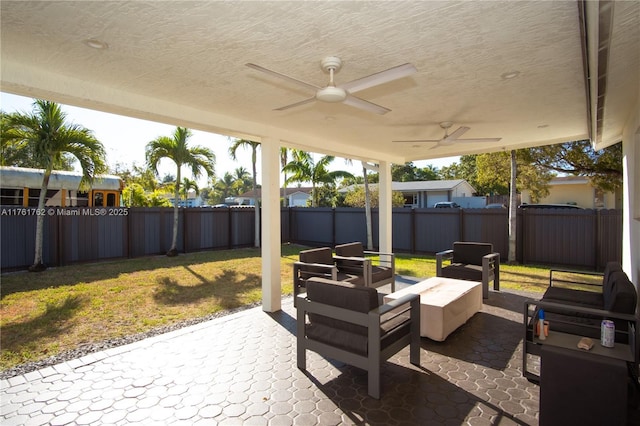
(331, 94)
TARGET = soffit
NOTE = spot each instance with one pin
(184, 63)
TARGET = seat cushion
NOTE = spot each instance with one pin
(339, 338)
(589, 299)
(342, 295)
(463, 272)
(470, 252)
(379, 273)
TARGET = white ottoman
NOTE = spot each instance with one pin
(445, 304)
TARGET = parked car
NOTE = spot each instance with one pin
(495, 206)
(446, 205)
(549, 206)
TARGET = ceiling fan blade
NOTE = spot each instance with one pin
(376, 79)
(306, 101)
(455, 135)
(419, 141)
(479, 140)
(365, 105)
(285, 77)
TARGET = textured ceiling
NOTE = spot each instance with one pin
(183, 63)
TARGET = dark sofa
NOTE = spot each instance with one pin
(578, 307)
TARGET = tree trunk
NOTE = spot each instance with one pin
(256, 203)
(367, 209)
(38, 265)
(512, 209)
(173, 251)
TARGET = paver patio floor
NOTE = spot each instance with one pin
(241, 369)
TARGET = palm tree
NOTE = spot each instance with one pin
(187, 185)
(49, 139)
(303, 168)
(243, 180)
(224, 187)
(177, 149)
(237, 143)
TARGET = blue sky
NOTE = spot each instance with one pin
(125, 138)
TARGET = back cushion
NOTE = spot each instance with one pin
(607, 281)
(341, 295)
(471, 253)
(622, 297)
(350, 250)
(321, 255)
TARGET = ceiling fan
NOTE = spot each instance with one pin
(449, 139)
(343, 92)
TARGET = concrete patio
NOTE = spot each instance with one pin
(240, 369)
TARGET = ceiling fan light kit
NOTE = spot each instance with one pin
(331, 94)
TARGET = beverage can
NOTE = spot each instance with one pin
(607, 333)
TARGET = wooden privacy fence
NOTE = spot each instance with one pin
(576, 238)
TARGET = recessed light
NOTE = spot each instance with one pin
(509, 75)
(96, 44)
(416, 146)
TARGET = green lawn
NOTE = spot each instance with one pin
(43, 314)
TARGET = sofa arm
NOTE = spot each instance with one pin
(440, 257)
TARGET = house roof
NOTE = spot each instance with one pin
(541, 76)
(418, 186)
(289, 191)
(569, 180)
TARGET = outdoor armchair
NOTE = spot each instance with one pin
(472, 262)
(346, 322)
(318, 262)
(351, 258)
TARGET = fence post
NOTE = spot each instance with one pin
(333, 226)
(412, 230)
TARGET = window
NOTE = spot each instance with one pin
(98, 199)
(111, 199)
(11, 197)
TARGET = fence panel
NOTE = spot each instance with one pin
(402, 228)
(312, 226)
(487, 225)
(610, 249)
(557, 236)
(575, 238)
(436, 229)
(350, 225)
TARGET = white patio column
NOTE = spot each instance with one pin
(385, 208)
(271, 286)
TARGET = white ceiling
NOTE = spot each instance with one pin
(183, 63)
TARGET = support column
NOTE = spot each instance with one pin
(271, 286)
(385, 239)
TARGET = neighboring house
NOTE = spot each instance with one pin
(192, 200)
(296, 197)
(421, 194)
(579, 191)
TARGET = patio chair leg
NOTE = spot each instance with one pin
(374, 382)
